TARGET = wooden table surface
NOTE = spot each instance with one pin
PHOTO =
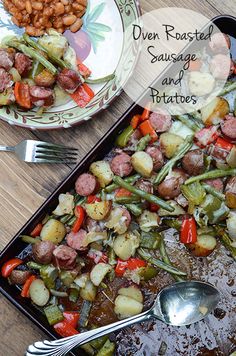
(23, 187)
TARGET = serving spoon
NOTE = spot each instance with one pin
(182, 303)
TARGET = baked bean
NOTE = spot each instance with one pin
(15, 21)
(37, 5)
(32, 31)
(65, 2)
(59, 8)
(69, 20)
(76, 25)
(84, 3)
(28, 7)
(68, 8)
(48, 11)
(19, 4)
(80, 13)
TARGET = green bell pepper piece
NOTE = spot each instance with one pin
(124, 137)
(108, 349)
(49, 273)
(150, 240)
(214, 209)
(53, 314)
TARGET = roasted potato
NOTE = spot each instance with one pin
(53, 231)
(142, 163)
(201, 84)
(103, 172)
(98, 272)
(88, 292)
(98, 210)
(169, 143)
(39, 294)
(125, 245)
(126, 307)
(215, 111)
(204, 246)
(132, 292)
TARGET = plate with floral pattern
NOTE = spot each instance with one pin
(105, 46)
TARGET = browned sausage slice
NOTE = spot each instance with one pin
(6, 59)
(19, 277)
(43, 251)
(157, 157)
(169, 188)
(193, 162)
(5, 80)
(160, 121)
(127, 216)
(23, 64)
(41, 96)
(228, 127)
(85, 184)
(121, 165)
(144, 185)
(65, 257)
(230, 193)
(69, 80)
(77, 240)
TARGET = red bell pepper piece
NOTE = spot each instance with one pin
(206, 136)
(147, 129)
(22, 95)
(122, 192)
(153, 207)
(64, 329)
(146, 112)
(80, 214)
(36, 231)
(135, 121)
(92, 199)
(83, 69)
(131, 264)
(83, 95)
(222, 143)
(188, 231)
(72, 317)
(26, 286)
(8, 266)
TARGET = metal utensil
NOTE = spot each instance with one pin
(181, 304)
(42, 152)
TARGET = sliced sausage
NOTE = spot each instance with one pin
(5, 80)
(217, 152)
(193, 162)
(44, 79)
(65, 257)
(121, 165)
(216, 183)
(221, 66)
(6, 58)
(23, 64)
(41, 96)
(69, 80)
(19, 277)
(160, 121)
(228, 127)
(230, 193)
(157, 157)
(169, 188)
(144, 185)
(85, 184)
(43, 251)
(127, 216)
(217, 45)
(92, 225)
(76, 240)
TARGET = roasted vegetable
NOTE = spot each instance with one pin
(53, 231)
(39, 294)
(53, 314)
(126, 245)
(88, 292)
(200, 83)
(194, 193)
(126, 306)
(148, 220)
(132, 292)
(215, 111)
(98, 210)
(204, 245)
(102, 170)
(65, 206)
(170, 143)
(99, 272)
(142, 163)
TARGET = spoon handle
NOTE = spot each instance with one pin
(62, 346)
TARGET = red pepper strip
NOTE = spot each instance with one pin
(92, 199)
(64, 329)
(72, 317)
(226, 145)
(146, 112)
(195, 65)
(79, 213)
(103, 258)
(83, 95)
(135, 121)
(188, 231)
(206, 136)
(26, 286)
(131, 264)
(36, 231)
(147, 129)
(154, 207)
(22, 95)
(8, 266)
(83, 69)
(122, 192)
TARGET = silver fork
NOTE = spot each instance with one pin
(42, 152)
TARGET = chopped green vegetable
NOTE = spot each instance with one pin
(49, 273)
(113, 186)
(53, 314)
(84, 313)
(172, 223)
(167, 260)
(226, 240)
(194, 193)
(148, 272)
(74, 295)
(34, 265)
(143, 142)
(228, 88)
(188, 121)
(135, 209)
(212, 191)
(29, 239)
(124, 137)
(108, 349)
(64, 219)
(217, 173)
(67, 277)
(127, 200)
(214, 209)
(150, 240)
(59, 294)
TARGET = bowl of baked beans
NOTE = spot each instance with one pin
(39, 16)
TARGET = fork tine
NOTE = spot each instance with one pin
(55, 152)
(53, 156)
(58, 161)
(42, 144)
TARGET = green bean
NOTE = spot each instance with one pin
(143, 142)
(228, 88)
(29, 239)
(71, 221)
(172, 223)
(58, 293)
(65, 218)
(135, 209)
(167, 260)
(184, 148)
(146, 196)
(34, 54)
(127, 200)
(216, 173)
(80, 200)
(105, 79)
(186, 120)
(226, 240)
(34, 265)
(36, 45)
(158, 263)
(213, 191)
(114, 186)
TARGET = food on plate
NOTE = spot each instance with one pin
(42, 73)
(38, 16)
(100, 252)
